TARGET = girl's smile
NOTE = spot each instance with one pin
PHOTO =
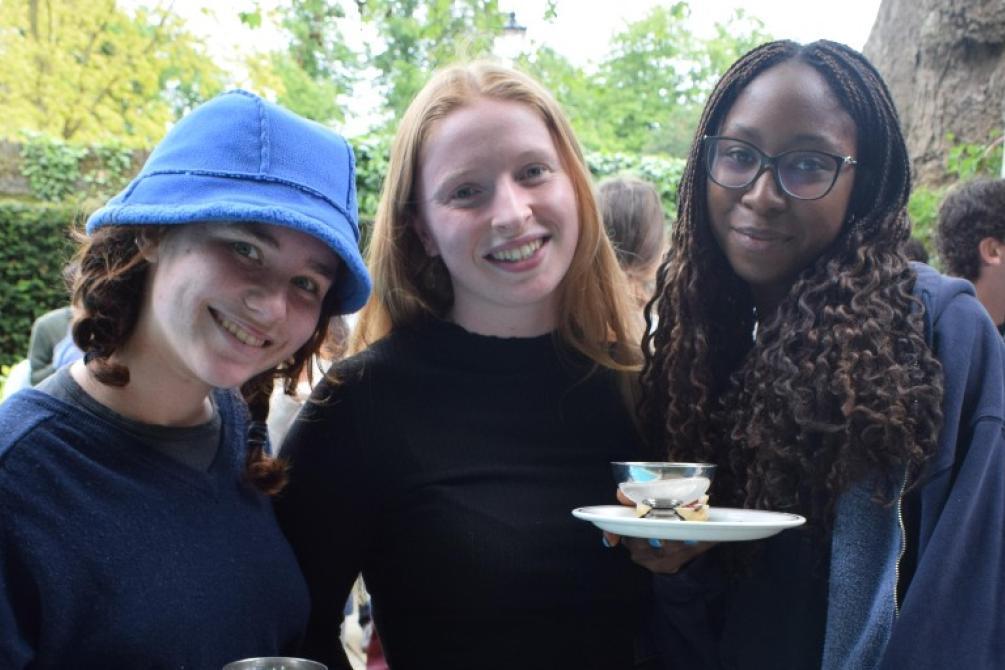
(767, 236)
(496, 205)
(228, 301)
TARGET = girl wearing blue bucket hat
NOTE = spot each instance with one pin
(136, 530)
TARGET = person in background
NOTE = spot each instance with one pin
(137, 530)
(914, 250)
(49, 332)
(970, 236)
(826, 376)
(444, 460)
(635, 223)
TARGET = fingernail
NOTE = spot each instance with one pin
(603, 538)
(691, 542)
(654, 543)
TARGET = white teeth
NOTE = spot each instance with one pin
(518, 254)
(240, 333)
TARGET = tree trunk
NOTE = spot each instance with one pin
(944, 61)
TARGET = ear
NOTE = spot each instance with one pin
(149, 246)
(422, 231)
(992, 251)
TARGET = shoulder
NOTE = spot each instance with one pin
(940, 293)
(387, 356)
(952, 312)
(24, 414)
(967, 345)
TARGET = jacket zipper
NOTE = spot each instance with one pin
(903, 545)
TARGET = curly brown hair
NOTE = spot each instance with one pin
(840, 381)
(970, 213)
(107, 279)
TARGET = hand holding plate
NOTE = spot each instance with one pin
(659, 556)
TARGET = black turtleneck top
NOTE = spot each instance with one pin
(444, 466)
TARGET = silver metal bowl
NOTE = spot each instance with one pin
(275, 663)
(662, 485)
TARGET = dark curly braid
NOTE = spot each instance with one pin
(840, 381)
(107, 278)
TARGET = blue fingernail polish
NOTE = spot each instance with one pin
(654, 543)
(691, 542)
(603, 538)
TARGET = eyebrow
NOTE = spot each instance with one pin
(812, 138)
(261, 233)
(460, 174)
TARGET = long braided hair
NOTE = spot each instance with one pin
(840, 382)
(107, 278)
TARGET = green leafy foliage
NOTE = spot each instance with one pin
(51, 166)
(372, 154)
(418, 36)
(923, 208)
(966, 160)
(662, 172)
(92, 71)
(35, 246)
(646, 95)
(59, 171)
(316, 68)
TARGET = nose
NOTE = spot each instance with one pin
(765, 194)
(267, 302)
(511, 208)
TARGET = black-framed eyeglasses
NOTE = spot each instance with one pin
(804, 175)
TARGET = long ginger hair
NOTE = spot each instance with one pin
(595, 317)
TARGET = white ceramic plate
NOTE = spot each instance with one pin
(725, 524)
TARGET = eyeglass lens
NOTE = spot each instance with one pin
(803, 174)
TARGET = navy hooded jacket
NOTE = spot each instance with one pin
(951, 609)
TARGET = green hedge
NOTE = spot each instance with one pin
(35, 246)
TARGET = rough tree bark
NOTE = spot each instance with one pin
(944, 61)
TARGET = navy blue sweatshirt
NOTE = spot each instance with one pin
(113, 555)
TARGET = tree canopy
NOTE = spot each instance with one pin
(91, 71)
(647, 93)
(94, 71)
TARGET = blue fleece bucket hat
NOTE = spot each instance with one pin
(241, 158)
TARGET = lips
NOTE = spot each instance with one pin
(242, 334)
(759, 234)
(515, 252)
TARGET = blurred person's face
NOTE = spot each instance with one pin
(225, 302)
(990, 281)
(768, 236)
(496, 205)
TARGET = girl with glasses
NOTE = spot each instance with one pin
(444, 460)
(826, 376)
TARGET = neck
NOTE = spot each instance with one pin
(149, 397)
(766, 301)
(523, 321)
